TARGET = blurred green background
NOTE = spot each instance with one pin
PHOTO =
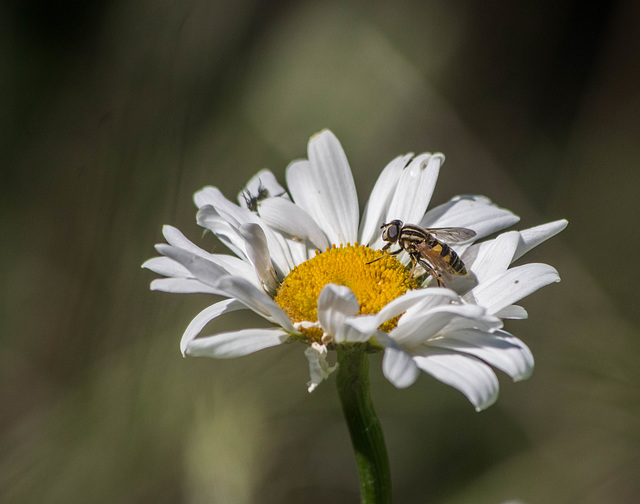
(114, 113)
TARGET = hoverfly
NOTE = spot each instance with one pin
(425, 248)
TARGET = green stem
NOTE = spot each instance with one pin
(364, 426)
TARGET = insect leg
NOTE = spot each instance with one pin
(386, 254)
(431, 271)
(415, 258)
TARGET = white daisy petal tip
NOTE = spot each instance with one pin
(324, 132)
(532, 237)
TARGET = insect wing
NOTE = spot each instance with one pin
(452, 234)
(433, 258)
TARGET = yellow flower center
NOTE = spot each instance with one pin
(374, 283)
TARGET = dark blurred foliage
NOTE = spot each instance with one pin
(113, 113)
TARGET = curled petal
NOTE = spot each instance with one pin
(204, 317)
(319, 368)
(397, 365)
(208, 218)
(285, 216)
(413, 301)
(236, 216)
(255, 300)
(425, 325)
(335, 304)
(258, 253)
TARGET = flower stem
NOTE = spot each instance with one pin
(364, 426)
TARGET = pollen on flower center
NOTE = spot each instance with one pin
(374, 283)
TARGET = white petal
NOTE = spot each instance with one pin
(415, 188)
(411, 301)
(208, 218)
(319, 368)
(205, 196)
(285, 216)
(513, 285)
(234, 287)
(175, 237)
(482, 321)
(473, 378)
(512, 312)
(204, 270)
(423, 326)
(281, 254)
(397, 365)
(335, 304)
(235, 266)
(334, 182)
(166, 267)
(534, 236)
(417, 301)
(206, 316)
(473, 212)
(256, 300)
(500, 349)
(258, 253)
(236, 343)
(301, 251)
(375, 210)
(300, 181)
(490, 258)
(182, 286)
(236, 216)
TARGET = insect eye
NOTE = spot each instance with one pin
(393, 232)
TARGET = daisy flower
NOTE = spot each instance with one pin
(310, 265)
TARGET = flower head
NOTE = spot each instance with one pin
(312, 268)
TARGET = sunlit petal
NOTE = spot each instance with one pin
(513, 285)
(500, 349)
(205, 316)
(236, 343)
(470, 376)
